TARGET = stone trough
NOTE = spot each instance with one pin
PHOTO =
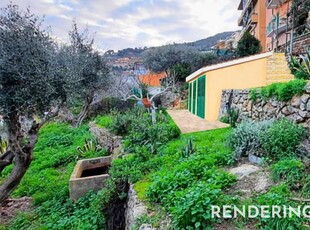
(89, 175)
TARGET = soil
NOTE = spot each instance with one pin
(11, 207)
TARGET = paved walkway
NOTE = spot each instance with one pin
(189, 123)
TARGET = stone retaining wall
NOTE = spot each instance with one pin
(297, 109)
(301, 44)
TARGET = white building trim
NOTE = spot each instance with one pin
(226, 64)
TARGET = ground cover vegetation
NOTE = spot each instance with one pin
(181, 174)
(280, 91)
(277, 143)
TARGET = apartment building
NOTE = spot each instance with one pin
(253, 19)
(278, 25)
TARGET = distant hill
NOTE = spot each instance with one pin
(201, 45)
(206, 43)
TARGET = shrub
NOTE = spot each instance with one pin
(231, 117)
(289, 170)
(245, 139)
(254, 94)
(284, 91)
(248, 45)
(103, 121)
(281, 91)
(282, 138)
(301, 75)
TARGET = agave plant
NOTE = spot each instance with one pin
(90, 145)
(301, 65)
(305, 63)
(188, 149)
(3, 145)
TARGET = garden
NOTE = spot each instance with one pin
(178, 176)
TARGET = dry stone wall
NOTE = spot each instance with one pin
(297, 109)
(300, 46)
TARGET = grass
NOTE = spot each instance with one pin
(47, 182)
(185, 186)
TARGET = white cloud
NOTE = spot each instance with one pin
(137, 23)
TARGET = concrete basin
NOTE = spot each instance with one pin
(89, 175)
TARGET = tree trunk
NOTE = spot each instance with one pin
(87, 102)
(6, 159)
(153, 113)
(22, 155)
(21, 164)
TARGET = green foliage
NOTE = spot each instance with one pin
(248, 45)
(231, 117)
(254, 94)
(306, 187)
(192, 207)
(301, 75)
(121, 123)
(299, 12)
(90, 146)
(246, 138)
(103, 121)
(47, 182)
(281, 91)
(282, 138)
(139, 130)
(293, 64)
(279, 195)
(188, 149)
(188, 186)
(302, 66)
(3, 145)
(289, 170)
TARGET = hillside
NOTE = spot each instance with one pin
(206, 43)
(201, 45)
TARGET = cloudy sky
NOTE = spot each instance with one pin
(119, 24)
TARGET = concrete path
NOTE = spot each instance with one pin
(189, 123)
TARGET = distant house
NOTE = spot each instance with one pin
(152, 79)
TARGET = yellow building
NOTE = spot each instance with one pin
(253, 19)
(206, 84)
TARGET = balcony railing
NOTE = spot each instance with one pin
(243, 13)
(271, 4)
(276, 26)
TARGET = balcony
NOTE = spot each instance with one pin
(272, 4)
(254, 18)
(276, 26)
(246, 8)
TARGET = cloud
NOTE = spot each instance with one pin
(137, 23)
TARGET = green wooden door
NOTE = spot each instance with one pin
(190, 97)
(201, 96)
(194, 97)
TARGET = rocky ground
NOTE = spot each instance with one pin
(12, 206)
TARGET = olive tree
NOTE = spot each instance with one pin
(89, 67)
(177, 61)
(33, 83)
